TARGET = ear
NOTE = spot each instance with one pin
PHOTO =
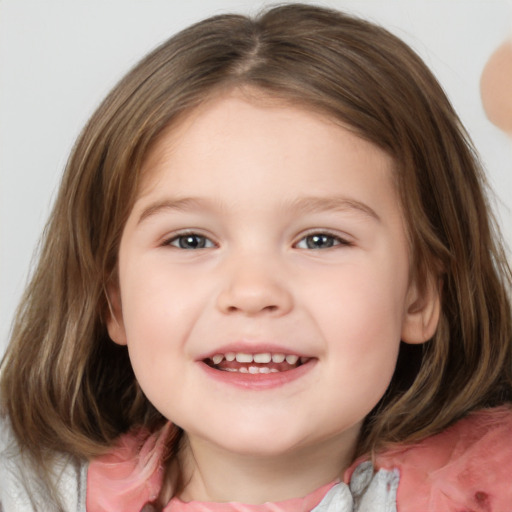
(114, 320)
(423, 308)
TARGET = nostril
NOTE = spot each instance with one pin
(269, 309)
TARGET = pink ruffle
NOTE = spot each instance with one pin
(129, 476)
(468, 467)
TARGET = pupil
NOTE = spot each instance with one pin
(192, 242)
(319, 241)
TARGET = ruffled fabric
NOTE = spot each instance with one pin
(468, 467)
(129, 476)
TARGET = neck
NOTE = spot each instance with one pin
(212, 474)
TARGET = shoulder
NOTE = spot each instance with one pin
(23, 490)
(466, 467)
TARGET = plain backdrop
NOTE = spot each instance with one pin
(59, 58)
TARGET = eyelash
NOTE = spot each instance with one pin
(203, 242)
(176, 241)
(335, 240)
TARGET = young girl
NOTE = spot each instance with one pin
(270, 282)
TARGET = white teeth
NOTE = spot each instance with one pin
(262, 358)
(252, 369)
(244, 358)
(217, 358)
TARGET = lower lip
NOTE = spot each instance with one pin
(258, 381)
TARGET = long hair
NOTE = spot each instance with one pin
(66, 387)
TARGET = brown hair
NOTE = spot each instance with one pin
(65, 385)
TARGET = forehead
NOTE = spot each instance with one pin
(251, 130)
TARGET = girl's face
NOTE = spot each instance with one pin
(265, 232)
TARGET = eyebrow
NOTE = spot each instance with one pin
(334, 203)
(301, 205)
(176, 204)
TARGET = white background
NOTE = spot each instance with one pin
(59, 58)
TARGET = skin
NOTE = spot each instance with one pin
(265, 177)
(496, 87)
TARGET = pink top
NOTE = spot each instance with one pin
(130, 476)
(466, 467)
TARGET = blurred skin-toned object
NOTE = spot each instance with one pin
(496, 87)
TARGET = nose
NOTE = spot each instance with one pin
(253, 287)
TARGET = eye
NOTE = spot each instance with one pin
(190, 241)
(320, 241)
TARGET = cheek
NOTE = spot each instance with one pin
(364, 298)
(154, 300)
(160, 308)
(151, 309)
(361, 317)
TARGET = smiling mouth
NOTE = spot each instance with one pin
(261, 363)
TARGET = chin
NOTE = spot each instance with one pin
(259, 440)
